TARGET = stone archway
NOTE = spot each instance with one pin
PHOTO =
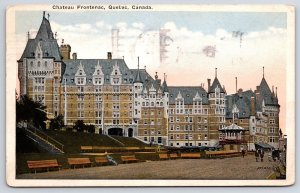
(115, 131)
(130, 132)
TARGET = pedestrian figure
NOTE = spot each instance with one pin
(257, 155)
(243, 153)
(262, 153)
(270, 155)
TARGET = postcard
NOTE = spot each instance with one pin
(150, 95)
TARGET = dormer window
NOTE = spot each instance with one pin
(80, 76)
(116, 80)
(115, 76)
(39, 63)
(39, 55)
(80, 80)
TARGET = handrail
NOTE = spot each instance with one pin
(47, 138)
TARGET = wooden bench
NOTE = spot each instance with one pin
(190, 155)
(174, 156)
(43, 164)
(128, 159)
(101, 160)
(222, 154)
(79, 161)
(163, 156)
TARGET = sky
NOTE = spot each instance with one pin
(186, 37)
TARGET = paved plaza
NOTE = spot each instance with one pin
(220, 169)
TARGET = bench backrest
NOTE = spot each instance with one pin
(164, 155)
(42, 163)
(128, 157)
(72, 161)
(190, 155)
(101, 159)
(172, 155)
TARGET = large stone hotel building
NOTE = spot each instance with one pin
(130, 102)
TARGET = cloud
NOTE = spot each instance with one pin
(138, 25)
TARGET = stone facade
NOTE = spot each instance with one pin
(129, 102)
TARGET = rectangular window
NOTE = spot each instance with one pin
(272, 139)
(272, 121)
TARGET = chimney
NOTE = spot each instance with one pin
(208, 84)
(252, 106)
(74, 56)
(109, 55)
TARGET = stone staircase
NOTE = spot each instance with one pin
(43, 140)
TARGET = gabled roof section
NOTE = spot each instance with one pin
(138, 78)
(266, 94)
(47, 42)
(188, 93)
(45, 31)
(89, 66)
(164, 85)
(241, 101)
(215, 84)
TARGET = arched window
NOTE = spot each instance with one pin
(39, 63)
(31, 64)
(46, 63)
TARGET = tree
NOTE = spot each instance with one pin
(31, 112)
(57, 122)
(90, 128)
(79, 126)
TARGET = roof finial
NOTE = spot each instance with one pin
(216, 72)
(156, 76)
(44, 12)
(276, 91)
(263, 72)
(48, 16)
(145, 67)
(138, 62)
(164, 76)
(62, 41)
(28, 34)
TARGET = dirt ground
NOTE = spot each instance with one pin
(236, 168)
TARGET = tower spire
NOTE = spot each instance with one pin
(44, 12)
(235, 84)
(138, 78)
(263, 72)
(216, 72)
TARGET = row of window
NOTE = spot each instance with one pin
(186, 127)
(153, 139)
(190, 119)
(189, 136)
(152, 132)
